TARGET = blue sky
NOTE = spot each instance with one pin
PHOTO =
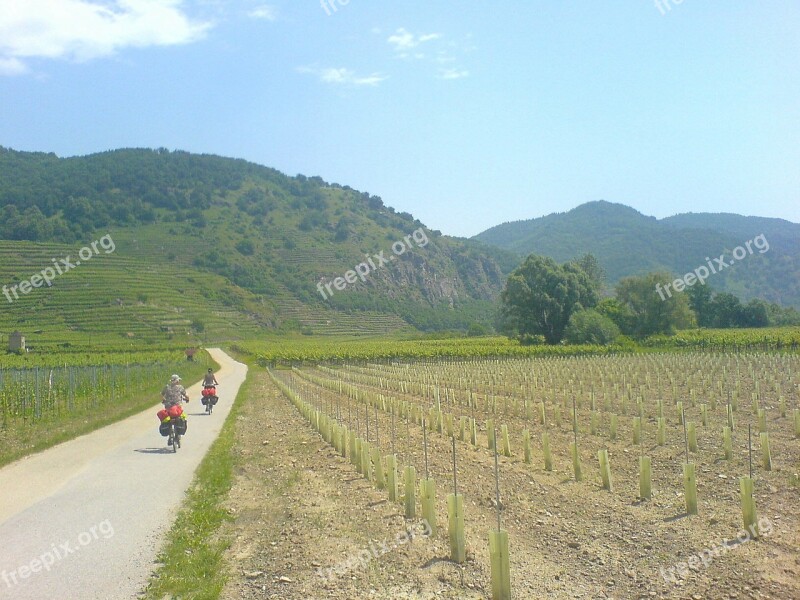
(464, 114)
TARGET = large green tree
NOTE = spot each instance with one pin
(652, 314)
(541, 295)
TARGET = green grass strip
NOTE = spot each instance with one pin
(192, 562)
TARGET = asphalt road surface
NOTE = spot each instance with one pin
(86, 518)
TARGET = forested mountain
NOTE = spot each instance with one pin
(626, 242)
(272, 236)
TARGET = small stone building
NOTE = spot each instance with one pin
(16, 342)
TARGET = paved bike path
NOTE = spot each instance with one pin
(85, 519)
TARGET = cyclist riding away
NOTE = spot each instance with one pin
(210, 379)
(173, 393)
(171, 397)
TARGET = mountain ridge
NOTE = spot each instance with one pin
(676, 244)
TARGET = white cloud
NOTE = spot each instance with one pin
(343, 76)
(265, 11)
(403, 40)
(453, 73)
(86, 29)
(12, 66)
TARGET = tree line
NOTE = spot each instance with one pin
(544, 301)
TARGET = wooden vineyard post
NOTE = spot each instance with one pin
(748, 505)
(526, 445)
(498, 549)
(455, 522)
(410, 499)
(605, 469)
(391, 476)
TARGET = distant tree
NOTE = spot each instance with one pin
(540, 297)
(755, 314)
(652, 314)
(700, 302)
(592, 268)
(726, 311)
(246, 247)
(477, 330)
(620, 314)
(590, 327)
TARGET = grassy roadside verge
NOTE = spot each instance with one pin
(19, 439)
(192, 562)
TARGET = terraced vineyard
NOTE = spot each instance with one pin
(575, 531)
(120, 292)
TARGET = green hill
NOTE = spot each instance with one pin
(626, 242)
(217, 248)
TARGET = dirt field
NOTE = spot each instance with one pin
(301, 509)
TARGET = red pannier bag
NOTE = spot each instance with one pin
(162, 414)
(207, 392)
(175, 411)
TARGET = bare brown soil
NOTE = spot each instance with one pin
(301, 508)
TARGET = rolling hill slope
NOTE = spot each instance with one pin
(628, 243)
(221, 248)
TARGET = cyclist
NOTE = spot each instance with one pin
(210, 380)
(173, 393)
